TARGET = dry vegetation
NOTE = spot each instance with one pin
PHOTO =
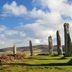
(11, 58)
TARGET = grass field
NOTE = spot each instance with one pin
(40, 63)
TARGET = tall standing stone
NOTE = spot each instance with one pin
(59, 47)
(31, 50)
(50, 45)
(67, 40)
(14, 49)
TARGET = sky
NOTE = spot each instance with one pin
(35, 20)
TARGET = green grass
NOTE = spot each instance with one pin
(39, 64)
(36, 69)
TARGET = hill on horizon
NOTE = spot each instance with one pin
(37, 48)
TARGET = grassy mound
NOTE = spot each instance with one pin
(39, 63)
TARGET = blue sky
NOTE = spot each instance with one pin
(13, 21)
(24, 20)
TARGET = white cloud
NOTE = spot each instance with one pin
(59, 6)
(39, 30)
(22, 34)
(15, 9)
(37, 13)
(2, 28)
(11, 32)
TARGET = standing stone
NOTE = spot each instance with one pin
(14, 49)
(50, 45)
(67, 40)
(59, 47)
(31, 50)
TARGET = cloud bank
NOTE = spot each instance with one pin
(49, 18)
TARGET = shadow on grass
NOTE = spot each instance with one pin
(60, 58)
(46, 59)
(50, 64)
